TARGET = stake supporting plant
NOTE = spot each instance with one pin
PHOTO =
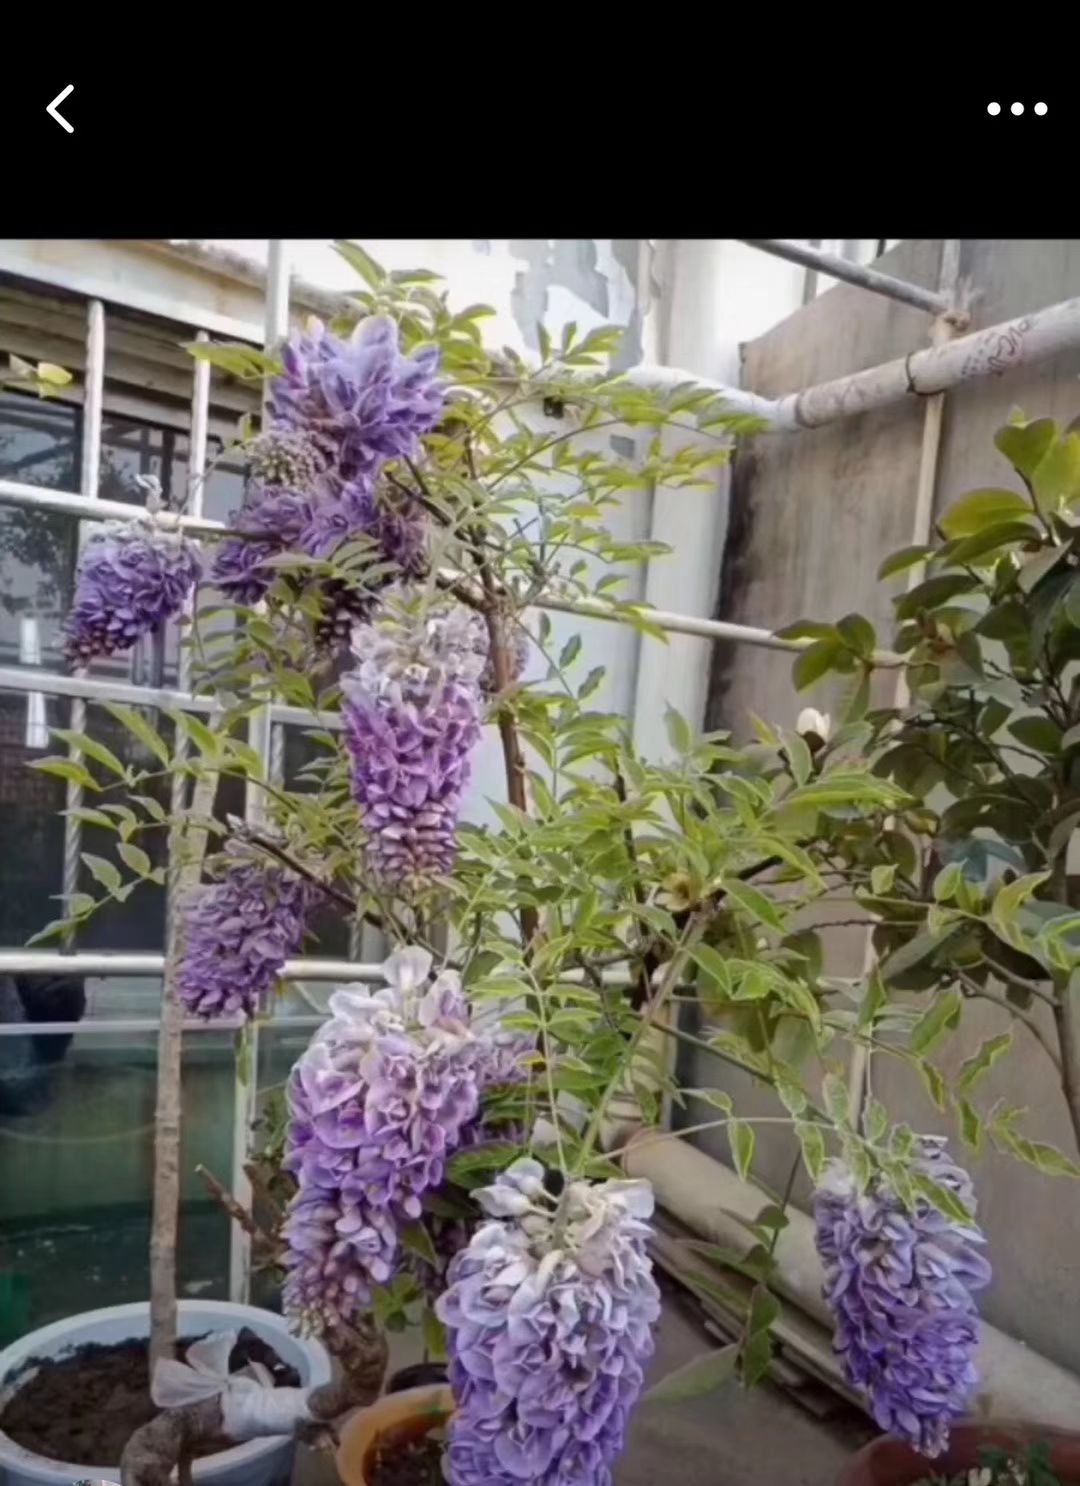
(187, 850)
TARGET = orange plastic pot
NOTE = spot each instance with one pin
(887, 1462)
(402, 1416)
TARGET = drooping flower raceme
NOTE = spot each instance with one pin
(360, 396)
(377, 1104)
(315, 521)
(270, 521)
(133, 575)
(238, 933)
(901, 1287)
(412, 710)
(549, 1314)
(397, 530)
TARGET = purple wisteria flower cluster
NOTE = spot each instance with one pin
(412, 709)
(132, 577)
(901, 1287)
(388, 1090)
(361, 396)
(340, 409)
(549, 1315)
(238, 933)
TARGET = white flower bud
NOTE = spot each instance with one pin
(810, 720)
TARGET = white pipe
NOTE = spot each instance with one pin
(1021, 342)
(999, 348)
(691, 624)
(859, 274)
(709, 1198)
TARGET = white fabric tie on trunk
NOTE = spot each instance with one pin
(250, 1404)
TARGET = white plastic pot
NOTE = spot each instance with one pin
(263, 1462)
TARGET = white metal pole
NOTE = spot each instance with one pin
(259, 737)
(89, 476)
(193, 506)
(123, 963)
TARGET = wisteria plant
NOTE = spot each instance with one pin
(414, 503)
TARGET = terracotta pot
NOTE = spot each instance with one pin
(413, 1411)
(887, 1462)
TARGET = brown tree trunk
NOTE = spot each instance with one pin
(187, 848)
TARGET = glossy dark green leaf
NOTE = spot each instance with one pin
(814, 662)
(984, 548)
(1038, 733)
(983, 508)
(857, 634)
(933, 593)
(903, 559)
(1025, 445)
(807, 629)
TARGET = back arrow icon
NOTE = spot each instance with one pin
(51, 108)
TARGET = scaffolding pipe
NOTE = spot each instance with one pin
(94, 963)
(1000, 348)
(858, 274)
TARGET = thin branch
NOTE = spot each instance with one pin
(225, 1199)
(649, 957)
(264, 843)
(975, 989)
(1011, 978)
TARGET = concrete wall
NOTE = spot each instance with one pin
(813, 514)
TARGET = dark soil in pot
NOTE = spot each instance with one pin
(408, 1455)
(84, 1407)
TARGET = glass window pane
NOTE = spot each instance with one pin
(223, 492)
(39, 445)
(76, 1162)
(31, 862)
(330, 927)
